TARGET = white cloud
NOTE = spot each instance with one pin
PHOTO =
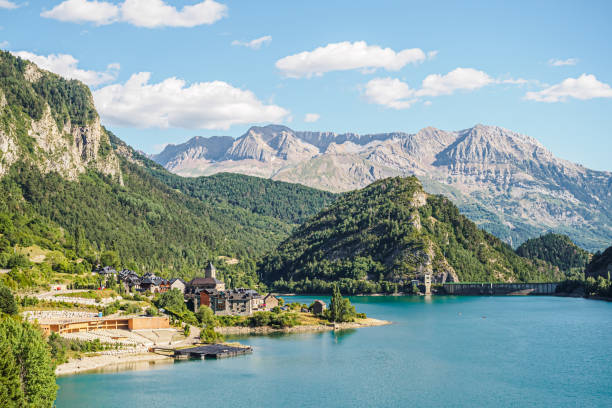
(174, 104)
(141, 13)
(254, 44)
(6, 4)
(67, 66)
(347, 56)
(559, 63)
(432, 54)
(390, 92)
(156, 13)
(311, 117)
(4, 44)
(467, 79)
(84, 11)
(583, 87)
(396, 94)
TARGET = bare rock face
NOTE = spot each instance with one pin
(53, 143)
(71, 150)
(505, 181)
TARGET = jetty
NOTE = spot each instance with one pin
(211, 351)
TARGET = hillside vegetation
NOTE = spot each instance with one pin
(558, 250)
(291, 203)
(600, 265)
(383, 236)
(72, 195)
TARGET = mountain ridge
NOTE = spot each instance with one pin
(520, 188)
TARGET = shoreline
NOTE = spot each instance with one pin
(92, 363)
(147, 359)
(310, 328)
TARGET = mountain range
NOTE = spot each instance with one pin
(508, 183)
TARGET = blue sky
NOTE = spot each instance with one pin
(537, 67)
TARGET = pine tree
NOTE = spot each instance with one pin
(30, 352)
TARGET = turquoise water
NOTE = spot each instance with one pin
(445, 351)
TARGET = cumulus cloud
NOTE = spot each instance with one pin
(396, 94)
(390, 92)
(345, 56)
(6, 4)
(156, 13)
(84, 11)
(254, 44)
(67, 66)
(584, 87)
(467, 79)
(174, 103)
(559, 62)
(311, 117)
(141, 13)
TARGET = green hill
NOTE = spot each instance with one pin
(71, 192)
(556, 249)
(292, 203)
(383, 236)
(600, 265)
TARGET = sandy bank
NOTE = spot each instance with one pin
(105, 361)
(304, 328)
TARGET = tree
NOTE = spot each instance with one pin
(110, 258)
(206, 317)
(172, 300)
(209, 335)
(8, 304)
(34, 374)
(340, 309)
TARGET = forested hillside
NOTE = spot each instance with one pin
(383, 236)
(558, 250)
(70, 195)
(292, 203)
(600, 265)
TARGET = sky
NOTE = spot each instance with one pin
(163, 71)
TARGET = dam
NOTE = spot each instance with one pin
(500, 288)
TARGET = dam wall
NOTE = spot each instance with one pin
(500, 288)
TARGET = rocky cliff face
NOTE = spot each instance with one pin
(31, 130)
(507, 182)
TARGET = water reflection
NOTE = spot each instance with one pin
(340, 335)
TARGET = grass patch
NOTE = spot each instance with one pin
(91, 294)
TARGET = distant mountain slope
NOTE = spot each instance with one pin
(291, 203)
(556, 249)
(388, 234)
(506, 182)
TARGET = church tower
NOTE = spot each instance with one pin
(210, 271)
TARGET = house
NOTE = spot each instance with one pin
(205, 296)
(240, 302)
(318, 306)
(178, 283)
(107, 271)
(129, 279)
(269, 302)
(154, 284)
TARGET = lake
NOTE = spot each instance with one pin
(440, 351)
